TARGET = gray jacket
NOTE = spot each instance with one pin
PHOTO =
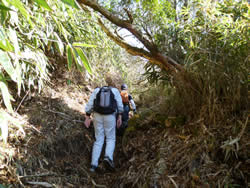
(90, 105)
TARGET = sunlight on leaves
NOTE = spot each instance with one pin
(84, 59)
(14, 39)
(69, 57)
(20, 6)
(2, 7)
(71, 3)
(78, 44)
(59, 44)
(6, 96)
(7, 65)
(3, 127)
(5, 121)
(43, 4)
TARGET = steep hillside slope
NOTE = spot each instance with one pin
(57, 148)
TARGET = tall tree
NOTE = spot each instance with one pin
(150, 50)
(201, 28)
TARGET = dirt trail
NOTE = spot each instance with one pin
(57, 148)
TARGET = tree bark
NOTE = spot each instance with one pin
(152, 53)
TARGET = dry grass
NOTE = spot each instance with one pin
(185, 136)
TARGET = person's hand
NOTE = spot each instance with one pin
(119, 121)
(135, 112)
(87, 121)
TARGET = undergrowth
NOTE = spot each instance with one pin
(208, 110)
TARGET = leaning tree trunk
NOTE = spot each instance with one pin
(150, 51)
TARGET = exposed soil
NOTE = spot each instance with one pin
(57, 148)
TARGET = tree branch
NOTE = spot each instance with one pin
(119, 22)
(152, 54)
(129, 15)
(130, 49)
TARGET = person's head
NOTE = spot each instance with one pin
(109, 80)
(124, 87)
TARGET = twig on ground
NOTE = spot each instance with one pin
(243, 128)
(22, 101)
(64, 116)
(97, 185)
(35, 129)
(172, 180)
(41, 175)
(43, 184)
(56, 112)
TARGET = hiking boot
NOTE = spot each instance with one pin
(109, 164)
(92, 168)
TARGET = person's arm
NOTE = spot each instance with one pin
(132, 102)
(119, 121)
(118, 99)
(89, 108)
(87, 121)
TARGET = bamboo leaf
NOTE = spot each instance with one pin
(6, 118)
(6, 96)
(77, 60)
(14, 39)
(3, 127)
(43, 4)
(7, 65)
(4, 43)
(71, 3)
(78, 44)
(3, 7)
(84, 59)
(19, 5)
(14, 121)
(19, 77)
(69, 56)
(191, 42)
(59, 44)
(4, 47)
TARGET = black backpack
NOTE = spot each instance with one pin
(105, 102)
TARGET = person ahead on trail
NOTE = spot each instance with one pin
(104, 104)
(127, 101)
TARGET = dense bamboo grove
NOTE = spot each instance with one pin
(185, 61)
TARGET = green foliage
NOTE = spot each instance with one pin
(210, 39)
(32, 32)
(5, 119)
(27, 34)
(43, 4)
(155, 75)
(2, 7)
(6, 95)
(72, 3)
(21, 55)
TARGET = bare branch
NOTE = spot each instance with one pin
(119, 22)
(152, 53)
(130, 49)
(129, 15)
(118, 35)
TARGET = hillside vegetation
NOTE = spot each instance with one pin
(186, 64)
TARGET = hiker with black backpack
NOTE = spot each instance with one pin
(128, 104)
(104, 105)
